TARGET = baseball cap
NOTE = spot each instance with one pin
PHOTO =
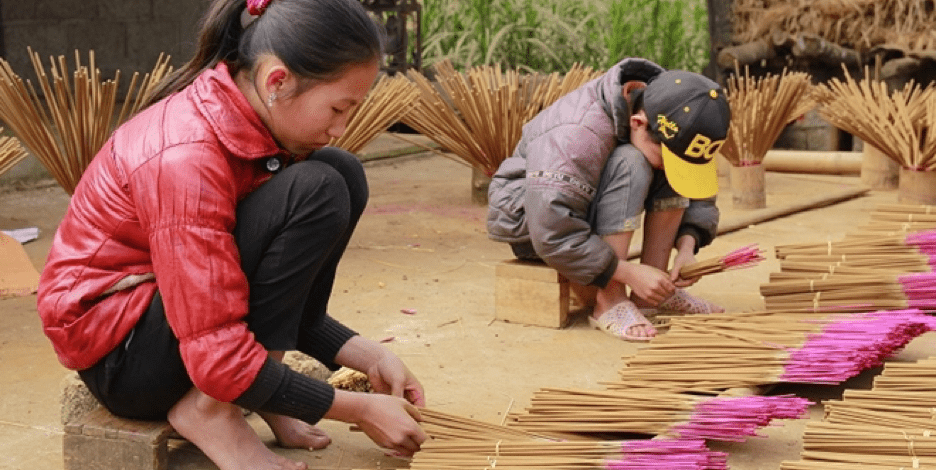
(690, 113)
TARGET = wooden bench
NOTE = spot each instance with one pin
(102, 441)
(530, 293)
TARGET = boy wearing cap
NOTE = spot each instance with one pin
(638, 138)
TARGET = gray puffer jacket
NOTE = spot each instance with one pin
(541, 194)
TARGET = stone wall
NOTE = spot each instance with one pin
(125, 35)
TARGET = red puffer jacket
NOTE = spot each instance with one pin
(160, 198)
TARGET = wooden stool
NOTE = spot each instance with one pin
(102, 441)
(530, 293)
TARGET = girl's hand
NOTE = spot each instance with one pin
(390, 376)
(391, 422)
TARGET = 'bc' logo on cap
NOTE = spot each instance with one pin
(668, 128)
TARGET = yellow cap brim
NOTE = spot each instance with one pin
(691, 180)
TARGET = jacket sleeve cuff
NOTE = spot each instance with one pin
(324, 342)
(602, 280)
(280, 390)
(699, 236)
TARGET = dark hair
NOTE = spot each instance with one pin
(316, 39)
(635, 103)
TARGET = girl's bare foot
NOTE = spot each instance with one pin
(294, 433)
(221, 432)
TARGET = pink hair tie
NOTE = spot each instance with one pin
(257, 7)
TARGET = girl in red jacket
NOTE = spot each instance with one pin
(203, 241)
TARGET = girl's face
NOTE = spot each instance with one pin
(644, 140)
(307, 120)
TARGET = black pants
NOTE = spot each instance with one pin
(291, 233)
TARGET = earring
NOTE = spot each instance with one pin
(271, 99)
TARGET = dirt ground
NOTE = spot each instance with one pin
(421, 245)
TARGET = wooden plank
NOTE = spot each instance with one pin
(530, 294)
(102, 441)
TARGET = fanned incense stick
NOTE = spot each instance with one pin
(760, 109)
(479, 115)
(384, 105)
(900, 123)
(743, 257)
(11, 153)
(68, 124)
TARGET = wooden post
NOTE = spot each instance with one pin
(917, 187)
(748, 187)
(479, 186)
(878, 171)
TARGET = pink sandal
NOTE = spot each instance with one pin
(684, 303)
(621, 318)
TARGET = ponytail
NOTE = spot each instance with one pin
(220, 34)
(315, 39)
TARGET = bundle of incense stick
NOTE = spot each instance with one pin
(478, 115)
(876, 407)
(676, 454)
(670, 414)
(898, 219)
(852, 343)
(889, 426)
(900, 123)
(443, 426)
(66, 127)
(384, 105)
(743, 257)
(11, 153)
(884, 245)
(907, 377)
(760, 109)
(714, 353)
(822, 266)
(869, 444)
(853, 293)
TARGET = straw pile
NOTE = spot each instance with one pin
(384, 105)
(857, 24)
(760, 109)
(901, 124)
(66, 121)
(11, 153)
(478, 115)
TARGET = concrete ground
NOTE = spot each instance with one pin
(421, 246)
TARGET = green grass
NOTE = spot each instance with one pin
(551, 35)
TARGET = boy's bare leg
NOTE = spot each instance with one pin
(292, 432)
(221, 432)
(659, 235)
(616, 292)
